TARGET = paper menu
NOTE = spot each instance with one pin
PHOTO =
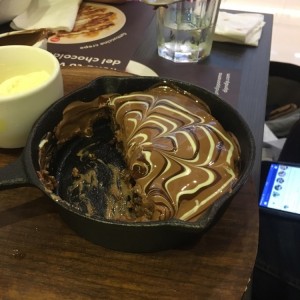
(103, 36)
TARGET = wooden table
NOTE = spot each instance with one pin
(42, 258)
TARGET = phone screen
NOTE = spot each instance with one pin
(281, 190)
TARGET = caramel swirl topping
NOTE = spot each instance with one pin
(179, 155)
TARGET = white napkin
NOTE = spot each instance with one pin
(50, 14)
(239, 28)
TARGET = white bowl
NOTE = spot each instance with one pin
(20, 109)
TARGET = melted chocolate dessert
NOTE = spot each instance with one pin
(175, 159)
(23, 37)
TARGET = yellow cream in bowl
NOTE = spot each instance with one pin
(21, 83)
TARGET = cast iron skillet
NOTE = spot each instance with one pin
(131, 237)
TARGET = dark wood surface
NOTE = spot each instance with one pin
(42, 258)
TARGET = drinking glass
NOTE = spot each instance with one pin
(185, 29)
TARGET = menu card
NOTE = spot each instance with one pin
(103, 36)
(224, 82)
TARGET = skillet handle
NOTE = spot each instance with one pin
(13, 175)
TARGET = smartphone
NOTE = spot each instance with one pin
(280, 188)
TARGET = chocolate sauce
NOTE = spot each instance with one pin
(179, 159)
(25, 37)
